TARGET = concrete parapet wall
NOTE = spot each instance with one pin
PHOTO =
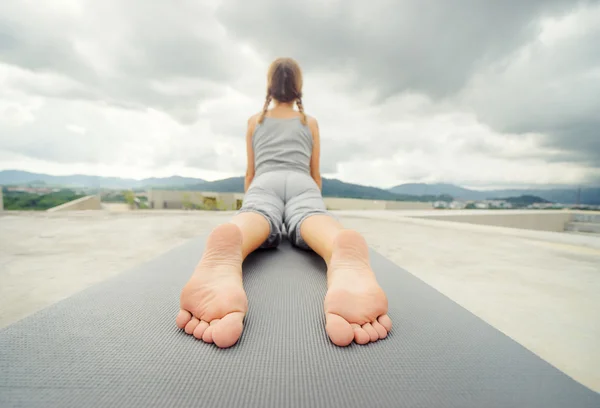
(335, 203)
(84, 203)
(407, 205)
(552, 221)
(593, 217)
(173, 199)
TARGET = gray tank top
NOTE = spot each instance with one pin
(282, 144)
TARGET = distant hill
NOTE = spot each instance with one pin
(13, 177)
(337, 188)
(589, 195)
(228, 185)
(21, 201)
(438, 189)
(170, 181)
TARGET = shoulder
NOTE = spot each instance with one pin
(313, 125)
(252, 120)
(312, 121)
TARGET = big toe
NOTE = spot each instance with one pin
(338, 329)
(228, 330)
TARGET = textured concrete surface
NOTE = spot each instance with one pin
(540, 288)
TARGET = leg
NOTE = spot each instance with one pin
(322, 230)
(255, 231)
(355, 305)
(213, 302)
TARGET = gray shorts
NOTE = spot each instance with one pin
(284, 198)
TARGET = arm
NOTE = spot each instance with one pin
(249, 153)
(315, 160)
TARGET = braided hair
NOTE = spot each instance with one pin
(284, 84)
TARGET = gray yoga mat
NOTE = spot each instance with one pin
(116, 345)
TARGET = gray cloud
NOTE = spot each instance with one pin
(429, 46)
(548, 88)
(71, 132)
(118, 52)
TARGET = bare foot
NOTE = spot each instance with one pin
(355, 306)
(213, 303)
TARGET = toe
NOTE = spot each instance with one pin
(360, 335)
(207, 336)
(373, 336)
(339, 330)
(228, 330)
(385, 322)
(381, 331)
(199, 330)
(191, 326)
(183, 318)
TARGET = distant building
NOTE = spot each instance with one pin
(181, 200)
(541, 206)
(498, 204)
(458, 205)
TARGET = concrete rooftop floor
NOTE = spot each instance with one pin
(539, 288)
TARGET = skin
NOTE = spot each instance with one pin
(213, 302)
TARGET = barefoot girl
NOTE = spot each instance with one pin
(283, 187)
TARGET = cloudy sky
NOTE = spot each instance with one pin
(479, 93)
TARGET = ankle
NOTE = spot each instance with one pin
(351, 249)
(219, 258)
(223, 247)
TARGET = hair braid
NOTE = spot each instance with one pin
(265, 108)
(301, 110)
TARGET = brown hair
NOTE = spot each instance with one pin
(284, 84)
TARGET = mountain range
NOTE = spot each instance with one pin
(587, 195)
(331, 188)
(15, 177)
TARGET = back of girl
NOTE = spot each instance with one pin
(283, 179)
(283, 138)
